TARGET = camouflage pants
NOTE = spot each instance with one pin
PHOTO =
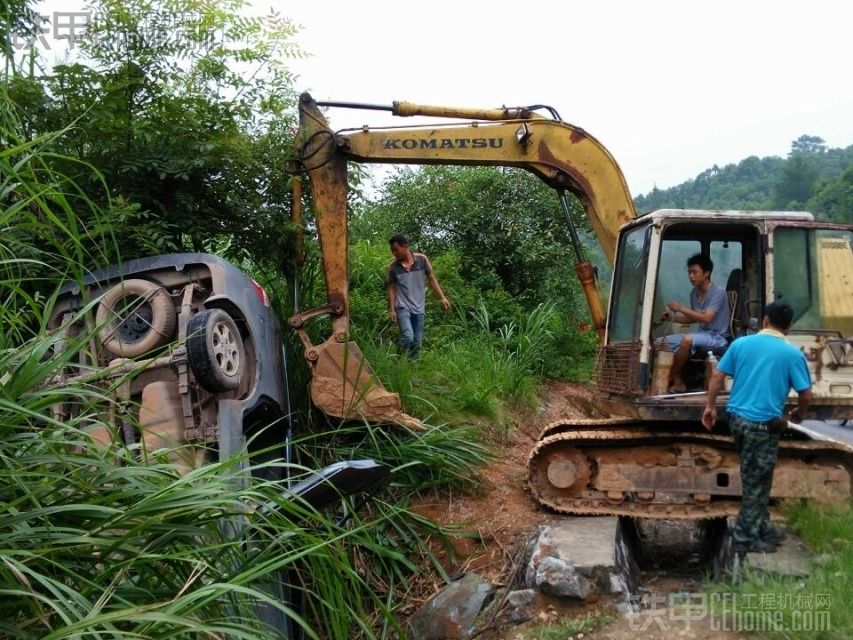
(758, 452)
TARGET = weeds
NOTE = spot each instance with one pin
(482, 375)
(106, 540)
(565, 627)
(814, 606)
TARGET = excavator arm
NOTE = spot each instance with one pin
(565, 157)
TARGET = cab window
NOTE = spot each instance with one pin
(630, 275)
(672, 281)
(812, 272)
(673, 284)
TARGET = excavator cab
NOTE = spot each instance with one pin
(646, 454)
(758, 258)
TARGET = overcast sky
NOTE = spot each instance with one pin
(669, 87)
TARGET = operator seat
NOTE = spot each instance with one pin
(736, 292)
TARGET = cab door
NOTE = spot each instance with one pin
(812, 270)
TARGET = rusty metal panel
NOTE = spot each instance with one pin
(820, 481)
(617, 367)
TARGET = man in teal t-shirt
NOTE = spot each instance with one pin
(765, 367)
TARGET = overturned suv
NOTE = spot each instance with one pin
(192, 355)
(192, 350)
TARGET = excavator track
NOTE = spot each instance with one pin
(629, 467)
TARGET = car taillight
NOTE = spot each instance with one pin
(261, 293)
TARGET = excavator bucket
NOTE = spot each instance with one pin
(344, 386)
(342, 382)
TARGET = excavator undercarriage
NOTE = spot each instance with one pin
(620, 466)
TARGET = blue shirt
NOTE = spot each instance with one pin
(765, 367)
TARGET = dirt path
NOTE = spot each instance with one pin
(504, 515)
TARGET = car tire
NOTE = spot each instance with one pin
(134, 317)
(215, 350)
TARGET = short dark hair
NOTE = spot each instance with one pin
(704, 262)
(780, 315)
(399, 239)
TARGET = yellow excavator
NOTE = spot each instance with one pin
(642, 452)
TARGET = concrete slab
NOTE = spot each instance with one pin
(580, 557)
(588, 542)
(792, 558)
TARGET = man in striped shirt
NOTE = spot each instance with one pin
(408, 275)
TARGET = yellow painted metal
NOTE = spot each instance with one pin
(342, 382)
(405, 109)
(586, 275)
(835, 269)
(565, 157)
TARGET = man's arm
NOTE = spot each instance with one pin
(433, 284)
(689, 316)
(804, 399)
(709, 415)
(670, 315)
(392, 301)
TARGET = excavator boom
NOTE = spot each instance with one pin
(565, 157)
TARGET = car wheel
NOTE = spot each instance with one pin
(134, 317)
(215, 350)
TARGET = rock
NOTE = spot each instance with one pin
(452, 612)
(556, 577)
(579, 558)
(520, 605)
(669, 543)
(625, 608)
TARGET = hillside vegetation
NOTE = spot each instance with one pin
(812, 178)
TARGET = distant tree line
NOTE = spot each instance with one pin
(812, 178)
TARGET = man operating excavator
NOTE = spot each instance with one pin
(709, 307)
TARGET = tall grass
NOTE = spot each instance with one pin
(92, 542)
(95, 543)
(482, 375)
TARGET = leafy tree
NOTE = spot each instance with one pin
(506, 224)
(758, 183)
(185, 110)
(834, 199)
(808, 144)
(795, 187)
(19, 20)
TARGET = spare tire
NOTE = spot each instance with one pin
(134, 317)
(215, 350)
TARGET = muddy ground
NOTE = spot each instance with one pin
(502, 518)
